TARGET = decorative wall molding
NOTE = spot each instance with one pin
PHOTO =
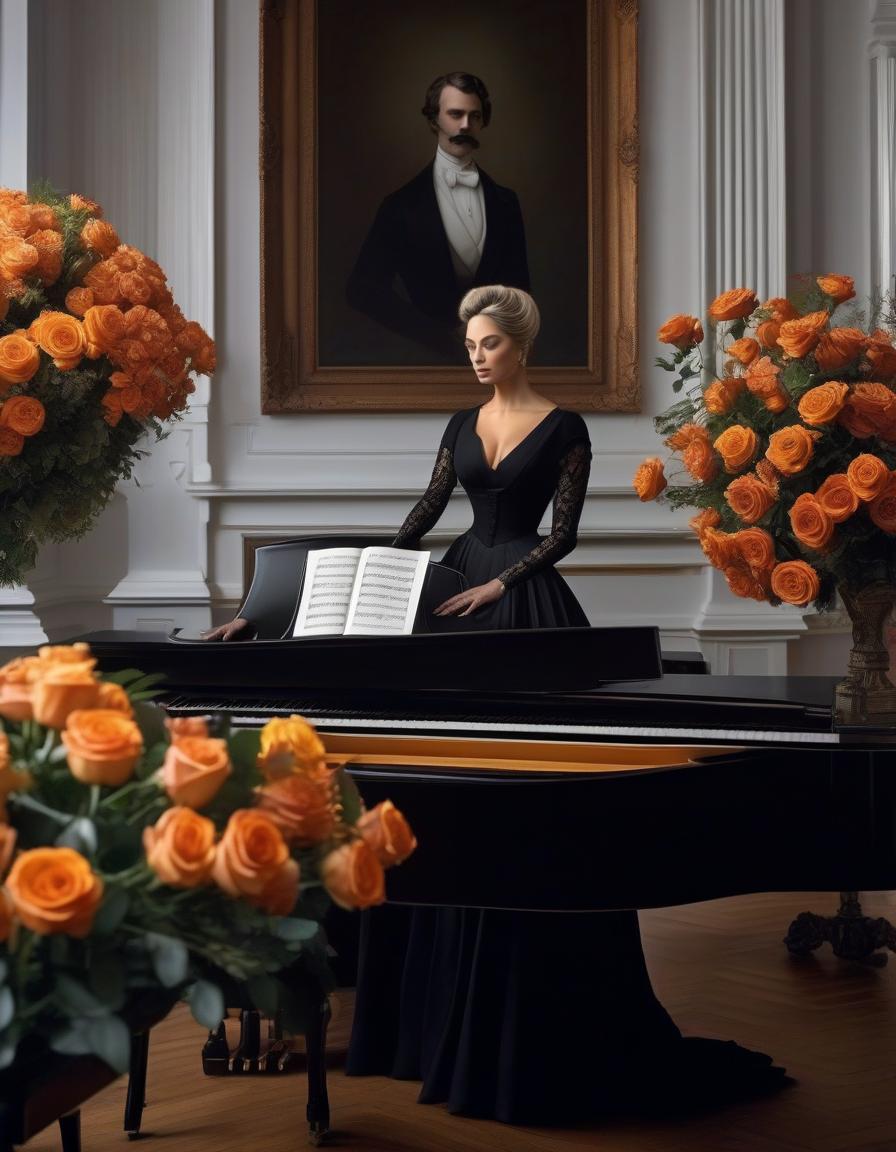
(882, 51)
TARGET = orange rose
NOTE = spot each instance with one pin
(733, 304)
(882, 509)
(762, 380)
(7, 915)
(251, 854)
(649, 479)
(822, 404)
(48, 243)
(839, 288)
(102, 280)
(780, 309)
(744, 583)
(103, 746)
(181, 726)
(810, 523)
(387, 833)
(745, 350)
(19, 359)
(837, 498)
(180, 848)
(720, 548)
(721, 396)
(23, 414)
(705, 520)
(795, 582)
(62, 337)
(16, 689)
(104, 326)
(99, 236)
(11, 443)
(749, 498)
(77, 653)
(737, 446)
(797, 338)
(112, 409)
(838, 348)
(194, 770)
(8, 837)
(767, 334)
(17, 258)
(84, 204)
(113, 696)
(353, 876)
(78, 300)
(769, 475)
(63, 689)
(881, 355)
(867, 475)
(791, 449)
(55, 891)
(870, 410)
(700, 460)
(757, 549)
(685, 435)
(289, 746)
(682, 331)
(279, 895)
(301, 805)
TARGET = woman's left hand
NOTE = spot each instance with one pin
(466, 602)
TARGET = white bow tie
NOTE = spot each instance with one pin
(467, 176)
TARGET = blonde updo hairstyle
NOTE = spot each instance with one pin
(512, 309)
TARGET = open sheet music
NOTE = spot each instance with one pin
(360, 591)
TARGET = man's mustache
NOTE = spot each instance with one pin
(463, 138)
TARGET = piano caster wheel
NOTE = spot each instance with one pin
(135, 1135)
(317, 1135)
(852, 935)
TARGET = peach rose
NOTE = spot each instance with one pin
(181, 726)
(114, 696)
(99, 236)
(180, 848)
(882, 509)
(16, 689)
(838, 348)
(23, 414)
(780, 309)
(767, 334)
(194, 769)
(822, 404)
(839, 288)
(289, 746)
(881, 355)
(790, 449)
(867, 475)
(737, 446)
(757, 549)
(682, 331)
(797, 338)
(649, 479)
(301, 805)
(353, 876)
(62, 337)
(104, 326)
(19, 359)
(749, 498)
(744, 350)
(795, 582)
(733, 304)
(704, 520)
(251, 854)
(700, 460)
(103, 746)
(810, 523)
(837, 498)
(55, 891)
(77, 653)
(745, 583)
(721, 396)
(387, 833)
(63, 689)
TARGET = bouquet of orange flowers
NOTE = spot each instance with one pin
(790, 451)
(145, 858)
(93, 354)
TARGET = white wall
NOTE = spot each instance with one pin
(164, 134)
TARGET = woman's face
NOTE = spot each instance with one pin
(494, 355)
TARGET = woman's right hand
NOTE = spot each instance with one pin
(233, 630)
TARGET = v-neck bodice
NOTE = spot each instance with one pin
(519, 443)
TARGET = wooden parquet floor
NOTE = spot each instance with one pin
(721, 970)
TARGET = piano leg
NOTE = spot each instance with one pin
(318, 1109)
(136, 1097)
(852, 935)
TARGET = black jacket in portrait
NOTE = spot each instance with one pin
(407, 242)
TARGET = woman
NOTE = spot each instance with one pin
(525, 1017)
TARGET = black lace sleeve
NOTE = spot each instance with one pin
(431, 504)
(568, 500)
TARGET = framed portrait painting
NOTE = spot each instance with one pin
(363, 264)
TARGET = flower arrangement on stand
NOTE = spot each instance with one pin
(94, 353)
(144, 858)
(790, 459)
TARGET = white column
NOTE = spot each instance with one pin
(743, 216)
(20, 626)
(882, 50)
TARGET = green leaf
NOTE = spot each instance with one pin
(7, 1008)
(4, 971)
(264, 992)
(152, 760)
(7, 1053)
(110, 1039)
(72, 1041)
(107, 980)
(151, 722)
(291, 929)
(143, 683)
(244, 747)
(170, 958)
(80, 835)
(677, 384)
(75, 999)
(738, 327)
(206, 1003)
(349, 797)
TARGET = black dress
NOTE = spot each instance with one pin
(525, 1017)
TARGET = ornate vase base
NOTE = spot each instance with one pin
(858, 704)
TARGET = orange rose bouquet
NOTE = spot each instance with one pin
(145, 858)
(94, 353)
(788, 452)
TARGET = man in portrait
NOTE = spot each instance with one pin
(449, 229)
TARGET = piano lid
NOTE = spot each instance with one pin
(525, 659)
